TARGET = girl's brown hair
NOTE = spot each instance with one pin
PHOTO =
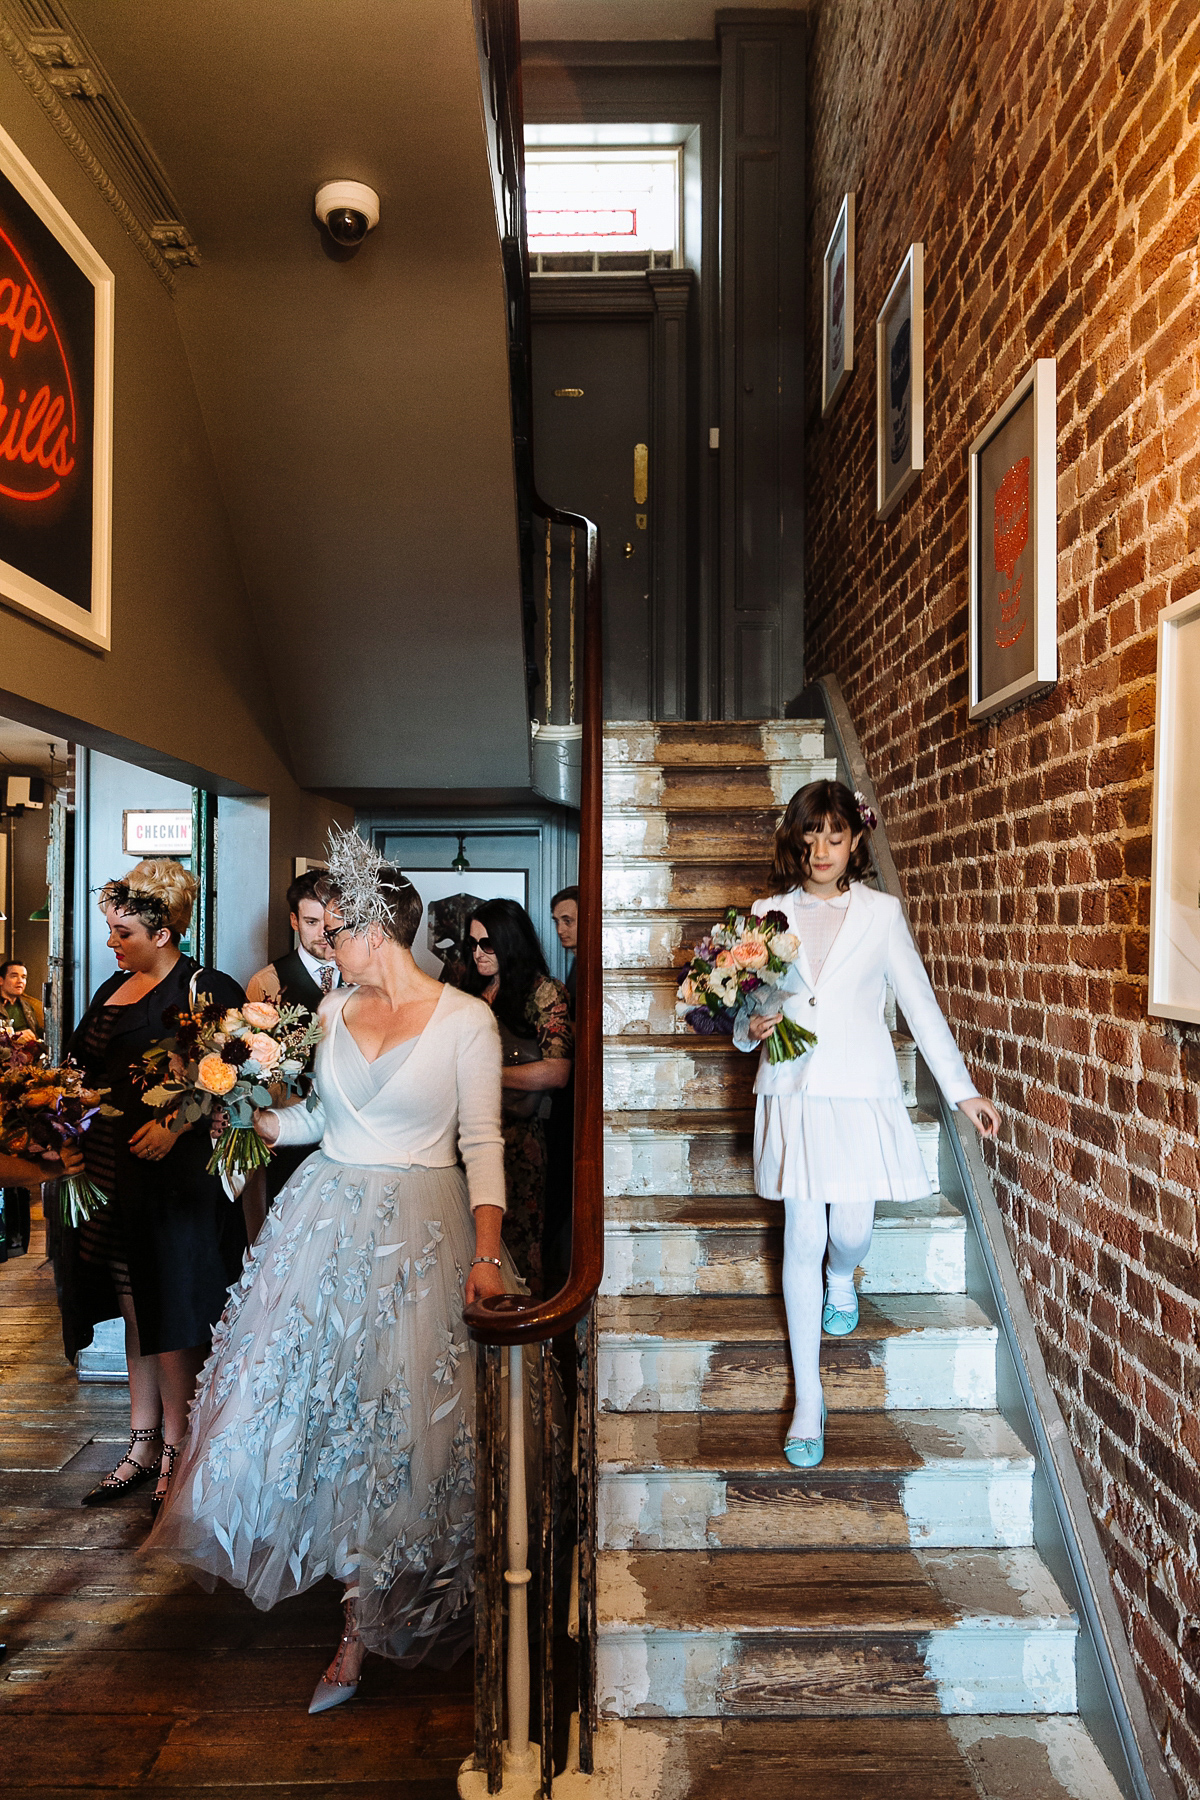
(820, 803)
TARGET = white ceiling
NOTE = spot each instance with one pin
(575, 20)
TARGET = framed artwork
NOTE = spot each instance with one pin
(900, 384)
(451, 896)
(837, 312)
(56, 382)
(1013, 561)
(1175, 841)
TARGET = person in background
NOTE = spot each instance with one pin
(560, 1126)
(300, 977)
(564, 910)
(538, 1040)
(20, 1012)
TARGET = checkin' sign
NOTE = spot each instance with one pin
(158, 833)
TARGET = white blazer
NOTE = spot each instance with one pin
(853, 1057)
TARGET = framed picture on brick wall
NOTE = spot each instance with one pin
(56, 409)
(900, 384)
(837, 312)
(1013, 549)
(1175, 853)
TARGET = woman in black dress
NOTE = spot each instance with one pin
(165, 1250)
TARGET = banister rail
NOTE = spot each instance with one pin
(507, 1318)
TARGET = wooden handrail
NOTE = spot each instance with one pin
(509, 1318)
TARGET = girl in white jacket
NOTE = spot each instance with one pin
(831, 1133)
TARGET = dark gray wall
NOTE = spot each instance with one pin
(183, 685)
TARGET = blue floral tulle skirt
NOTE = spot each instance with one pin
(332, 1431)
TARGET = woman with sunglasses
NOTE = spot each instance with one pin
(533, 1012)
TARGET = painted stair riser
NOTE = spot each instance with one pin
(917, 1259)
(647, 1161)
(647, 1079)
(977, 1506)
(740, 745)
(961, 1669)
(706, 887)
(935, 1370)
(639, 786)
(690, 836)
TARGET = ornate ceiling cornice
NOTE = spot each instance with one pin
(54, 60)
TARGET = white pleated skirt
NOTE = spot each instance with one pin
(828, 1151)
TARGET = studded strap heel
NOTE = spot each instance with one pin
(331, 1690)
(170, 1452)
(114, 1484)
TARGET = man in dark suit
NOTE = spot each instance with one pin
(19, 1012)
(300, 977)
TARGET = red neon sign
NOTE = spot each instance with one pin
(37, 397)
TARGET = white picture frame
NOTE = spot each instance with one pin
(1173, 989)
(900, 384)
(1012, 547)
(837, 308)
(441, 884)
(78, 538)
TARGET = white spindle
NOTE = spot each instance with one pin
(519, 1753)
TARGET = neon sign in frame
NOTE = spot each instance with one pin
(56, 388)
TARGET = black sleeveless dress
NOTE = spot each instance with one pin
(170, 1237)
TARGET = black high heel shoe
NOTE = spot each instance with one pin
(111, 1486)
(170, 1451)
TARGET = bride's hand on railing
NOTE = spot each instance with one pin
(483, 1280)
(266, 1124)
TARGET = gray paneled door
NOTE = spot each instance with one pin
(592, 405)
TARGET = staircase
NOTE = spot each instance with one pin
(885, 1618)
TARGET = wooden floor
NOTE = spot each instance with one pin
(121, 1675)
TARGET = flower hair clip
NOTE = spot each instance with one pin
(866, 813)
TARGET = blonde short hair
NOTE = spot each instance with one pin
(159, 891)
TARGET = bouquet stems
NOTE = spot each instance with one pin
(238, 1151)
(789, 1041)
(79, 1199)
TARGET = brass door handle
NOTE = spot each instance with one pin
(628, 550)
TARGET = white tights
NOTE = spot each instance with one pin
(809, 1229)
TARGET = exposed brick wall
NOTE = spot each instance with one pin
(1047, 152)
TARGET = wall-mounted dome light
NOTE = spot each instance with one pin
(347, 210)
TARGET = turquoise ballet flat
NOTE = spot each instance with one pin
(806, 1453)
(839, 1323)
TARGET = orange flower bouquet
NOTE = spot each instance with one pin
(221, 1063)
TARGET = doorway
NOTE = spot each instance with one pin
(609, 435)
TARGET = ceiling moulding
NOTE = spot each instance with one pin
(54, 60)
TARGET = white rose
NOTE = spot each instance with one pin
(786, 946)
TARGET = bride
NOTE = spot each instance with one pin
(332, 1429)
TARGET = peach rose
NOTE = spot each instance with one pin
(725, 960)
(687, 994)
(261, 1014)
(215, 1076)
(264, 1050)
(751, 951)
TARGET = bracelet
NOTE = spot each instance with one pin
(489, 1259)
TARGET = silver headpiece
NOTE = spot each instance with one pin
(355, 869)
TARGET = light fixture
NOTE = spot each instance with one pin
(460, 862)
(42, 915)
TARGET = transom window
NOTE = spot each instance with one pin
(602, 200)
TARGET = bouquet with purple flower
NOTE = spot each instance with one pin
(743, 967)
(41, 1109)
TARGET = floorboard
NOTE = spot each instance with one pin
(122, 1677)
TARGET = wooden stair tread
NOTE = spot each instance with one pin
(758, 1593)
(759, 1318)
(748, 1444)
(750, 1212)
(977, 1758)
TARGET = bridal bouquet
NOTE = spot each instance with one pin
(742, 968)
(222, 1062)
(41, 1109)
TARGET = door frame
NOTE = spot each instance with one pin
(663, 296)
